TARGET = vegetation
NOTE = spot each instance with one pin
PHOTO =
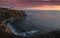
(6, 13)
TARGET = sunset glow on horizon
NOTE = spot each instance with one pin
(44, 7)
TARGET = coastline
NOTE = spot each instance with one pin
(5, 31)
(7, 15)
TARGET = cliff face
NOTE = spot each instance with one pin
(6, 13)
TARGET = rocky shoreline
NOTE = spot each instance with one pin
(7, 14)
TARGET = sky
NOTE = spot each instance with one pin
(31, 4)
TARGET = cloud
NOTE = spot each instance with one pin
(21, 4)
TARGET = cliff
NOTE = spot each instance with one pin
(6, 13)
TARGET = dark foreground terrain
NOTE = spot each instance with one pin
(53, 34)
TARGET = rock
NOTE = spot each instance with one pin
(6, 13)
(7, 35)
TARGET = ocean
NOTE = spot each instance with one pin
(36, 22)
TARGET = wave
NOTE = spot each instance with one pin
(24, 34)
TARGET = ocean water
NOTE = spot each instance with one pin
(47, 19)
(36, 22)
